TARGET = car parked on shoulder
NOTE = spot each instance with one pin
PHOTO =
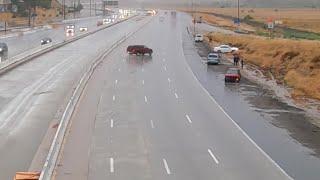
(232, 75)
(198, 38)
(213, 58)
(139, 50)
(225, 49)
(45, 41)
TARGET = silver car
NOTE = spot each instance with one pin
(213, 58)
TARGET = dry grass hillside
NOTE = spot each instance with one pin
(298, 18)
(295, 63)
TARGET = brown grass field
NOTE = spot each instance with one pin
(298, 18)
(295, 63)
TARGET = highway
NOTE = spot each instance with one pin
(31, 39)
(34, 94)
(146, 117)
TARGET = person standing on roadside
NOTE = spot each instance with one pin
(234, 59)
(242, 63)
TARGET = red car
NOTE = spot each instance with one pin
(232, 75)
(139, 49)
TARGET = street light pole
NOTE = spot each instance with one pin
(238, 13)
(90, 6)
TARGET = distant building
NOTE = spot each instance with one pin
(5, 5)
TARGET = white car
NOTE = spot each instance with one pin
(83, 29)
(198, 38)
(106, 21)
(225, 49)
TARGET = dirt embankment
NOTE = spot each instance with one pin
(291, 62)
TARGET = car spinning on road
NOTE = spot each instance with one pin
(213, 58)
(225, 49)
(139, 50)
(232, 75)
(45, 41)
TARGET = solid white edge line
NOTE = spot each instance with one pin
(152, 125)
(188, 118)
(111, 165)
(176, 95)
(166, 166)
(113, 98)
(241, 130)
(145, 99)
(213, 157)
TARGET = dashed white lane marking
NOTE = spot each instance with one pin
(176, 95)
(169, 80)
(165, 68)
(142, 69)
(111, 123)
(119, 69)
(166, 166)
(213, 157)
(188, 118)
(143, 82)
(116, 81)
(145, 99)
(111, 165)
(113, 98)
(123, 60)
(152, 125)
(163, 59)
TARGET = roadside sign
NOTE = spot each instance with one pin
(236, 21)
(270, 25)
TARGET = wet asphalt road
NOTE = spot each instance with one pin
(284, 132)
(149, 118)
(31, 40)
(33, 94)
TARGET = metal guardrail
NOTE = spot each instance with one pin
(13, 63)
(52, 157)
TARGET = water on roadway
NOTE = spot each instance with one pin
(284, 132)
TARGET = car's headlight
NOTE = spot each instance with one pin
(41, 40)
(0, 49)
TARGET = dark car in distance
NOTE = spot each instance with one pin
(232, 75)
(139, 50)
(45, 41)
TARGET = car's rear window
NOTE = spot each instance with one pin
(213, 56)
(232, 71)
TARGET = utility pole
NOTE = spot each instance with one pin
(64, 9)
(74, 9)
(238, 14)
(95, 8)
(194, 18)
(90, 6)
